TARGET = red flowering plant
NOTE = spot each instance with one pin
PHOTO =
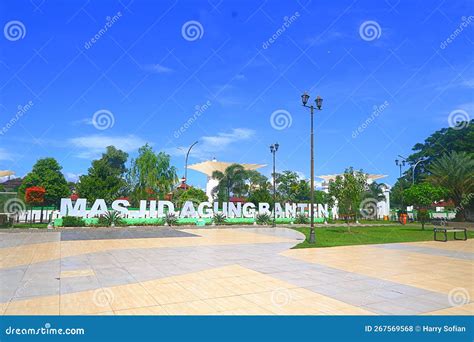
(35, 195)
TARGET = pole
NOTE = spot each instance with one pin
(186, 163)
(413, 170)
(274, 190)
(312, 237)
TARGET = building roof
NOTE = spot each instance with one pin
(208, 167)
(12, 184)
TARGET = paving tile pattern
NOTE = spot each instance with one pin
(222, 271)
(459, 254)
(119, 233)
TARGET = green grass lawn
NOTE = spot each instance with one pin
(30, 225)
(345, 236)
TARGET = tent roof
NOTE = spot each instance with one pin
(208, 167)
(5, 173)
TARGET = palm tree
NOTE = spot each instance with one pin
(231, 181)
(455, 172)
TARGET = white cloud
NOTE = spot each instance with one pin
(223, 139)
(157, 68)
(92, 146)
(210, 146)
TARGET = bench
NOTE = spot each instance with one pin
(441, 226)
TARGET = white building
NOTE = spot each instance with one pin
(382, 207)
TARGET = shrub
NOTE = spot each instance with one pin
(72, 221)
(301, 219)
(171, 219)
(111, 218)
(263, 219)
(6, 221)
(219, 219)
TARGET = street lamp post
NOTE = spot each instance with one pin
(319, 103)
(400, 163)
(186, 162)
(413, 169)
(273, 150)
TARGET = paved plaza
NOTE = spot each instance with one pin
(232, 271)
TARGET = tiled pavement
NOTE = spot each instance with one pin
(227, 271)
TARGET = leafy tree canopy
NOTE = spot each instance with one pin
(47, 173)
(422, 195)
(105, 177)
(192, 194)
(151, 174)
(348, 190)
(454, 171)
(438, 143)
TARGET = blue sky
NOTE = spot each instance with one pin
(385, 69)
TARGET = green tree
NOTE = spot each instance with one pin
(348, 190)
(192, 194)
(287, 184)
(454, 171)
(396, 193)
(256, 181)
(232, 182)
(47, 173)
(442, 141)
(421, 196)
(105, 177)
(151, 174)
(261, 195)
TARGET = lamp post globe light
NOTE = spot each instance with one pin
(273, 150)
(319, 103)
(400, 163)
